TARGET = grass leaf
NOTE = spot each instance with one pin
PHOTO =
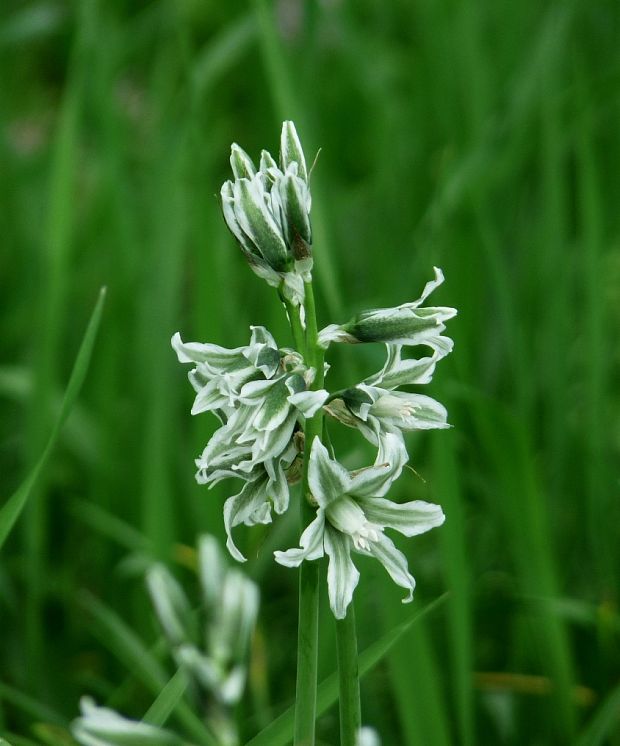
(11, 510)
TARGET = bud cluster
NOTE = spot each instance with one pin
(268, 212)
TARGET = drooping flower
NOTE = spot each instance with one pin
(407, 324)
(374, 410)
(268, 212)
(260, 393)
(353, 514)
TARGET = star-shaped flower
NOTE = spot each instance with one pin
(352, 514)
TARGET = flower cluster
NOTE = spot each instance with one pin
(210, 649)
(268, 212)
(260, 393)
(263, 395)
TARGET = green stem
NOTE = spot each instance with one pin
(348, 677)
(308, 635)
(295, 321)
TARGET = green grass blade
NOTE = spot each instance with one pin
(128, 648)
(11, 510)
(168, 699)
(31, 706)
(604, 723)
(112, 631)
(280, 731)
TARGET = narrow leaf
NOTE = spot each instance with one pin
(168, 699)
(10, 511)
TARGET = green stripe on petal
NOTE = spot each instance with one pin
(274, 408)
(213, 356)
(291, 150)
(250, 506)
(399, 372)
(403, 325)
(342, 575)
(294, 199)
(410, 519)
(257, 222)
(327, 479)
(395, 563)
(241, 163)
(310, 542)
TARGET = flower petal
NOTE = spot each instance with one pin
(291, 150)
(248, 506)
(241, 163)
(327, 479)
(430, 286)
(375, 481)
(215, 357)
(311, 543)
(257, 221)
(399, 372)
(407, 411)
(395, 563)
(410, 519)
(273, 409)
(342, 575)
(309, 402)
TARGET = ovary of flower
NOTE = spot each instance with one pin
(347, 516)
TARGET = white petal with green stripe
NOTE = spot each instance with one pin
(250, 506)
(342, 575)
(311, 544)
(327, 479)
(410, 519)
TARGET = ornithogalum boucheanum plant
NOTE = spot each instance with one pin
(271, 401)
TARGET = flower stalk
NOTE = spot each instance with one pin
(348, 679)
(308, 630)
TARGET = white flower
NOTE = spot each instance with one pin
(352, 515)
(221, 372)
(260, 429)
(100, 726)
(374, 410)
(408, 324)
(259, 392)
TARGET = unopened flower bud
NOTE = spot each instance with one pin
(291, 150)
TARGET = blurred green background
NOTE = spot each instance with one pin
(478, 136)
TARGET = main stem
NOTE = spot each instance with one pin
(308, 634)
(348, 678)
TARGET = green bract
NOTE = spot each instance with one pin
(268, 212)
(352, 515)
